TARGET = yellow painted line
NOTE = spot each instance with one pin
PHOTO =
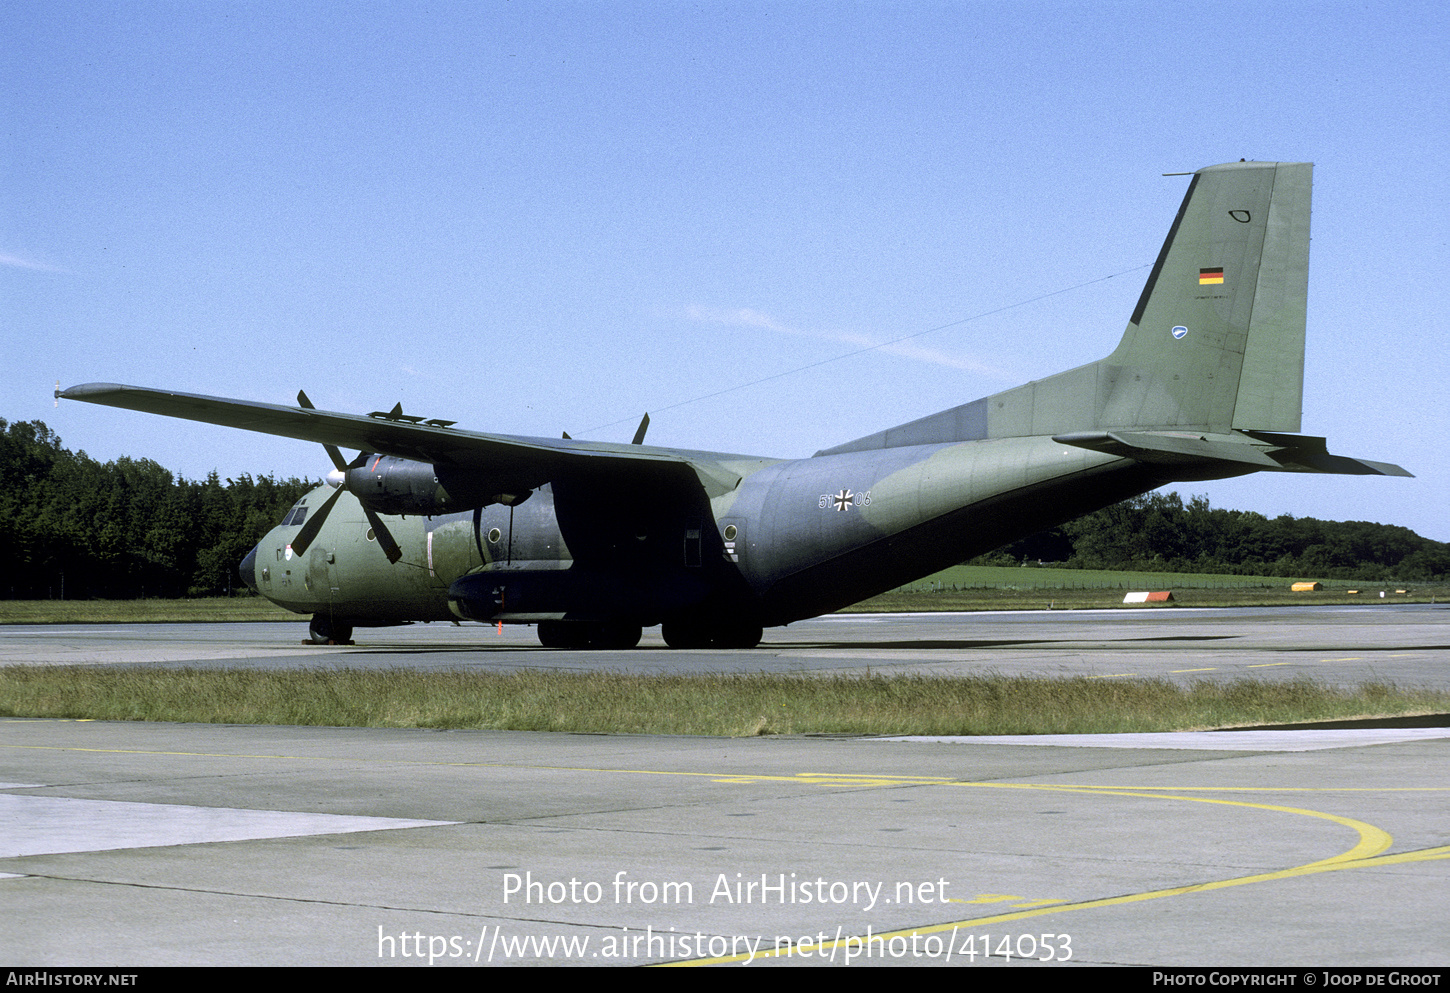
(1267, 665)
(966, 925)
(1351, 658)
(1115, 675)
(745, 778)
(1404, 858)
(1019, 902)
(1372, 841)
(801, 778)
(989, 898)
(1212, 668)
(815, 779)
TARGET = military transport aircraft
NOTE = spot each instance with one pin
(591, 541)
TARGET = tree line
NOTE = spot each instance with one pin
(73, 528)
(1159, 533)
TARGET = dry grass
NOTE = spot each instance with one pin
(725, 705)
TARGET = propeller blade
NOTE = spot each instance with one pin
(332, 452)
(316, 519)
(313, 524)
(639, 432)
(385, 537)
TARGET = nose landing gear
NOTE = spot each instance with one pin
(326, 630)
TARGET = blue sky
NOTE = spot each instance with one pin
(539, 217)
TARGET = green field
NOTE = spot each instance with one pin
(198, 611)
(968, 588)
(1047, 577)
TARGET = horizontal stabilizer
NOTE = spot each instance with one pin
(1168, 449)
(1343, 465)
(1302, 453)
(1252, 450)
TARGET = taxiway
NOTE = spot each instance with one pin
(1408, 644)
(154, 844)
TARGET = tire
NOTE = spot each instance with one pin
(549, 634)
(588, 634)
(562, 634)
(701, 634)
(739, 635)
(685, 634)
(615, 635)
(324, 630)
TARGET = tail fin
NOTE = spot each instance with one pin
(1215, 343)
(1217, 339)
(1208, 379)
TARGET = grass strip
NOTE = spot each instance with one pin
(1094, 598)
(199, 611)
(719, 704)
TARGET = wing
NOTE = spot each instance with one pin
(515, 464)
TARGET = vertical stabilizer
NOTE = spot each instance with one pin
(1217, 338)
(1215, 343)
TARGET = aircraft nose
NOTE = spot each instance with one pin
(248, 569)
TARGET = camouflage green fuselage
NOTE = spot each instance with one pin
(793, 539)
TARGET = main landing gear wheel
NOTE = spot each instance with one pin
(738, 636)
(699, 634)
(615, 635)
(324, 630)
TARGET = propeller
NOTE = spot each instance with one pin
(338, 479)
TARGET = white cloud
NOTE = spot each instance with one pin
(745, 317)
(16, 262)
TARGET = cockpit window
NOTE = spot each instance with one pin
(295, 516)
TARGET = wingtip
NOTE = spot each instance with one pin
(86, 390)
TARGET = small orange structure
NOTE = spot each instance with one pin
(1306, 587)
(1162, 597)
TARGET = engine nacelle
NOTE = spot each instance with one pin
(392, 485)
